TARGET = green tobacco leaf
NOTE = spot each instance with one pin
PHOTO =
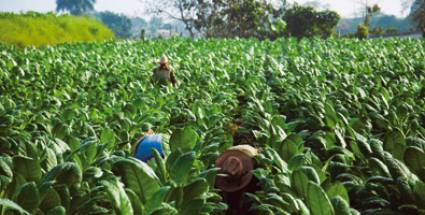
(28, 196)
(136, 203)
(137, 176)
(192, 207)
(59, 210)
(155, 202)
(51, 199)
(8, 204)
(395, 143)
(183, 139)
(51, 160)
(166, 209)
(6, 173)
(69, 173)
(291, 146)
(29, 168)
(340, 206)
(311, 173)
(180, 168)
(300, 180)
(414, 158)
(107, 136)
(195, 189)
(419, 190)
(318, 200)
(338, 189)
(118, 196)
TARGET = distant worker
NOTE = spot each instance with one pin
(164, 74)
(235, 177)
(142, 149)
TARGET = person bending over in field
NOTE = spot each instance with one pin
(235, 177)
(164, 74)
(142, 149)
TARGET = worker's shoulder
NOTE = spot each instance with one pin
(152, 138)
(246, 149)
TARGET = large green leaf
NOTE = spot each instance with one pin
(184, 139)
(192, 207)
(338, 189)
(180, 168)
(118, 196)
(137, 176)
(136, 203)
(108, 137)
(395, 143)
(340, 205)
(299, 180)
(59, 210)
(155, 202)
(8, 204)
(29, 168)
(195, 189)
(318, 201)
(414, 158)
(28, 196)
(291, 146)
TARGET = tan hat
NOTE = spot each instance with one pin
(163, 60)
(235, 169)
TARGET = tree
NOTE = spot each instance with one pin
(222, 18)
(307, 22)
(418, 15)
(180, 10)
(370, 11)
(119, 24)
(75, 7)
(235, 18)
(362, 31)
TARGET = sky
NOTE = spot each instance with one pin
(346, 8)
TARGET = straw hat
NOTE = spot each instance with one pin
(163, 60)
(236, 165)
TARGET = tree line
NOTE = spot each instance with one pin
(242, 18)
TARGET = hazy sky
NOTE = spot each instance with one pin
(135, 8)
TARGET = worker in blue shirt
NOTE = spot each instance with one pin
(142, 149)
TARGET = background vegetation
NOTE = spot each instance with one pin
(47, 29)
(340, 123)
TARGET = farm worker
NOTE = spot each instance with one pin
(164, 74)
(235, 177)
(142, 149)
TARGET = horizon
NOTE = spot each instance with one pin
(135, 8)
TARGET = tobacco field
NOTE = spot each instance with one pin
(340, 124)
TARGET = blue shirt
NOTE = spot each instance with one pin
(144, 148)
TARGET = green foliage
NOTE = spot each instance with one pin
(418, 15)
(362, 31)
(338, 123)
(307, 22)
(75, 7)
(230, 19)
(119, 24)
(33, 29)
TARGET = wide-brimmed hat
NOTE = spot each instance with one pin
(235, 170)
(163, 60)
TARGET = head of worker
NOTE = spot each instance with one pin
(144, 146)
(163, 61)
(147, 129)
(235, 168)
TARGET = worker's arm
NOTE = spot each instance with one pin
(134, 146)
(173, 78)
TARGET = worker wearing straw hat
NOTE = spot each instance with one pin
(164, 74)
(235, 176)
